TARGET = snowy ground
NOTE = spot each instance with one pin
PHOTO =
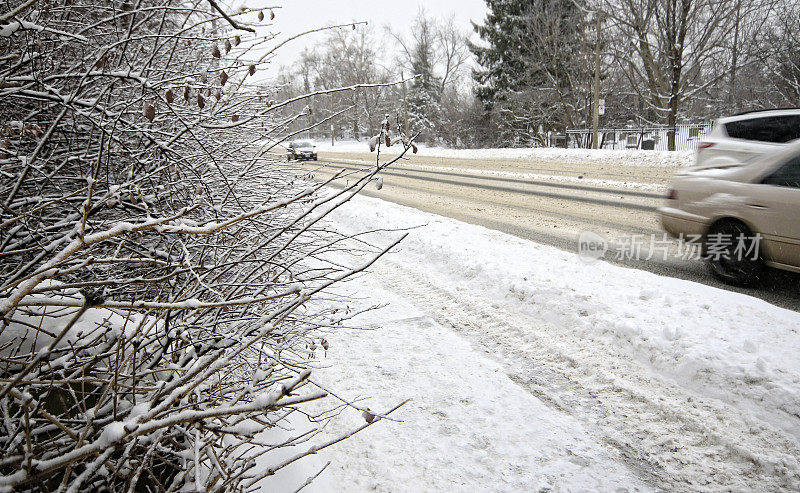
(530, 370)
(628, 157)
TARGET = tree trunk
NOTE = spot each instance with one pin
(671, 119)
(735, 57)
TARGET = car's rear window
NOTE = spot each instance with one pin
(776, 129)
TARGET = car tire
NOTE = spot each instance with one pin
(730, 267)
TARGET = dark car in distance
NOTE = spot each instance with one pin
(301, 150)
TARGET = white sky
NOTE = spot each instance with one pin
(296, 16)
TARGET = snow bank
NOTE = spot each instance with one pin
(467, 427)
(724, 344)
(625, 157)
(33, 328)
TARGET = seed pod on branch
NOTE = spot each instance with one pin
(260, 16)
(169, 96)
(227, 46)
(237, 40)
(223, 77)
(252, 69)
(215, 53)
(201, 101)
(149, 111)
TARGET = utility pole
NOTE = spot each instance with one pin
(596, 97)
(405, 104)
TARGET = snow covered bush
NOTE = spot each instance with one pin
(158, 268)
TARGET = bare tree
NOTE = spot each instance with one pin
(779, 57)
(454, 54)
(674, 50)
(436, 55)
(347, 57)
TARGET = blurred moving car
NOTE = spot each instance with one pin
(742, 138)
(300, 150)
(746, 216)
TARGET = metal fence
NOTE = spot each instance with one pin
(687, 136)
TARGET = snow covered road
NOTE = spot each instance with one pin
(551, 199)
(530, 370)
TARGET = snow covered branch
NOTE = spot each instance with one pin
(160, 275)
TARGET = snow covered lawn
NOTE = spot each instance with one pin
(704, 383)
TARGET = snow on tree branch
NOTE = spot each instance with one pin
(160, 271)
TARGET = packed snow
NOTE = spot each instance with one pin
(475, 420)
(467, 426)
(700, 335)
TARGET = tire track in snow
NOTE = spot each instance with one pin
(671, 437)
(531, 192)
(519, 178)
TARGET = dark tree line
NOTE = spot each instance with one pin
(533, 65)
(661, 61)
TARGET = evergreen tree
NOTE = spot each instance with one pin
(424, 95)
(535, 66)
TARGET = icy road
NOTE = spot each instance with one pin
(550, 197)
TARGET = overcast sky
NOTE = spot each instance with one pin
(296, 16)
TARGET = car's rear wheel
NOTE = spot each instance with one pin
(732, 253)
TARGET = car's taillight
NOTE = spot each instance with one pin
(672, 194)
(705, 145)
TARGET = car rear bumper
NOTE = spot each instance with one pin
(677, 222)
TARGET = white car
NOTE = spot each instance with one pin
(746, 216)
(743, 138)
